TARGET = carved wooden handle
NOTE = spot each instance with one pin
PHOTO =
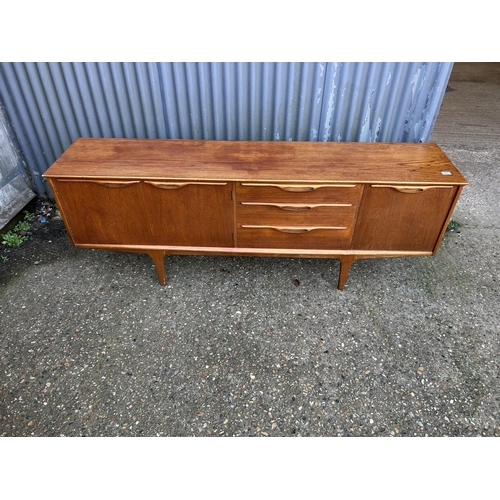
(177, 185)
(299, 188)
(110, 184)
(291, 229)
(411, 189)
(296, 206)
(294, 230)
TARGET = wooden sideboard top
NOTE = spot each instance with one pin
(360, 162)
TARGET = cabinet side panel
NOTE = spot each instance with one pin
(61, 206)
(389, 219)
(450, 213)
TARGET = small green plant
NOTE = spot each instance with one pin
(453, 225)
(22, 226)
(12, 239)
(4, 258)
(28, 216)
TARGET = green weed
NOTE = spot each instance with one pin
(22, 226)
(453, 225)
(12, 239)
(28, 216)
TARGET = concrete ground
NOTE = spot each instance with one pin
(91, 345)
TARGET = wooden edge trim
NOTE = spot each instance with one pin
(235, 226)
(263, 182)
(102, 182)
(297, 187)
(278, 252)
(410, 188)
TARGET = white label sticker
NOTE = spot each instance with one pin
(445, 172)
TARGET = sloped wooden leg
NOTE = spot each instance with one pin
(158, 257)
(345, 265)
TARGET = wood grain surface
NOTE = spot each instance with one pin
(173, 159)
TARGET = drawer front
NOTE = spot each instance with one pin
(298, 193)
(294, 237)
(295, 214)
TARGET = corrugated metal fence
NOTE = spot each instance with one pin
(49, 105)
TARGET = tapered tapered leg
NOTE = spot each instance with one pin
(158, 257)
(345, 265)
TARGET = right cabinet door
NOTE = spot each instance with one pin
(405, 218)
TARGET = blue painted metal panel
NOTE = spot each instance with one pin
(392, 102)
(17, 111)
(51, 104)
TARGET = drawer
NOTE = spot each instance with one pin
(295, 214)
(290, 237)
(298, 192)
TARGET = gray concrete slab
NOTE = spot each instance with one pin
(91, 345)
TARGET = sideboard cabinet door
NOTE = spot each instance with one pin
(404, 218)
(103, 211)
(192, 214)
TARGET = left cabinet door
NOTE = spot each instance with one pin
(98, 211)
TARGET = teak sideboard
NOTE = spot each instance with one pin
(274, 199)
